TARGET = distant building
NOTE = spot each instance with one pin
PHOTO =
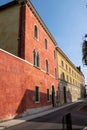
(71, 79)
(28, 66)
(85, 90)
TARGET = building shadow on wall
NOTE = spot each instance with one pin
(28, 102)
(54, 118)
(22, 106)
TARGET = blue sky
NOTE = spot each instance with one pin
(67, 22)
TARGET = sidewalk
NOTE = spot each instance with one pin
(13, 122)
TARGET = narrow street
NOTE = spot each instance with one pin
(54, 120)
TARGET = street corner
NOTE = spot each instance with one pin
(2, 127)
(85, 128)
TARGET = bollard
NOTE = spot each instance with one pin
(67, 122)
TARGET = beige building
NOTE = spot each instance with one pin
(71, 79)
(9, 27)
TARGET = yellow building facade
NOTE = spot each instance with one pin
(71, 79)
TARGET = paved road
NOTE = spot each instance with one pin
(54, 120)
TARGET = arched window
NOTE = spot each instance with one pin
(35, 32)
(47, 66)
(34, 57)
(38, 60)
(55, 54)
(45, 43)
(55, 73)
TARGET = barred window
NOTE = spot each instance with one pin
(48, 95)
(37, 94)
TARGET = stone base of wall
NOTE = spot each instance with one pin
(72, 92)
(36, 110)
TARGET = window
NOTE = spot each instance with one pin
(38, 62)
(66, 67)
(70, 80)
(73, 81)
(36, 59)
(35, 32)
(75, 74)
(69, 69)
(63, 76)
(54, 54)
(47, 66)
(62, 63)
(67, 78)
(48, 95)
(76, 83)
(46, 45)
(55, 73)
(72, 72)
(37, 94)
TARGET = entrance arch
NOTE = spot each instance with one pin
(53, 96)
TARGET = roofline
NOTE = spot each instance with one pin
(30, 5)
(68, 60)
(2, 7)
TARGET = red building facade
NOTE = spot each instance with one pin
(30, 83)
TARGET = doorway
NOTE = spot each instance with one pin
(53, 96)
(64, 91)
